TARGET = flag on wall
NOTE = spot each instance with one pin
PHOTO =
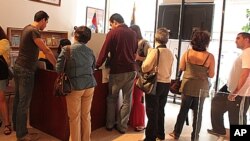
(133, 16)
(94, 23)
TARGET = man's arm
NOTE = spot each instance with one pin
(47, 51)
(243, 77)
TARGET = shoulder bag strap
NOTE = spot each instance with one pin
(206, 59)
(158, 57)
(157, 61)
(67, 56)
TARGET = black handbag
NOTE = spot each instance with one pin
(4, 71)
(62, 85)
(176, 84)
(147, 81)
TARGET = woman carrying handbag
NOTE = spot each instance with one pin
(155, 103)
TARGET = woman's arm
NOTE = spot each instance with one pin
(211, 65)
(149, 62)
(182, 65)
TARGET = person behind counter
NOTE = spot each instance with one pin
(63, 42)
(24, 73)
(80, 69)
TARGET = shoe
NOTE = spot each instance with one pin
(211, 131)
(119, 130)
(220, 138)
(109, 129)
(159, 139)
(139, 128)
(174, 135)
(7, 130)
(29, 137)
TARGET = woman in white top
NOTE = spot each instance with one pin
(155, 104)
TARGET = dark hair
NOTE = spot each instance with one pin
(200, 40)
(63, 42)
(245, 35)
(41, 15)
(161, 35)
(2, 34)
(82, 34)
(137, 30)
(116, 17)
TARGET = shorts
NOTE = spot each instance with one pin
(3, 84)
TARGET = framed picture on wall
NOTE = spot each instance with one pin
(95, 19)
(52, 2)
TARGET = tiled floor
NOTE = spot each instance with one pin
(170, 114)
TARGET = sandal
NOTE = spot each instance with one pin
(7, 129)
(139, 128)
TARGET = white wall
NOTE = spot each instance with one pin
(19, 13)
(179, 1)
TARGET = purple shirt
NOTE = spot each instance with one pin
(121, 43)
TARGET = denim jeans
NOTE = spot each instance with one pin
(117, 82)
(194, 103)
(24, 83)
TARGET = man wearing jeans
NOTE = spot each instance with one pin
(234, 97)
(121, 43)
(24, 71)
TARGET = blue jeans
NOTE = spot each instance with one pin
(194, 103)
(24, 83)
(117, 82)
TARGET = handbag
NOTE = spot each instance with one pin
(4, 71)
(62, 85)
(175, 84)
(147, 81)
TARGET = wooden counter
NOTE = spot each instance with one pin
(49, 113)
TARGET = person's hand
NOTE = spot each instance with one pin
(231, 97)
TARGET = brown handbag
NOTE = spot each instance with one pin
(176, 84)
(62, 85)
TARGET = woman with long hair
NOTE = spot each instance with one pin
(5, 60)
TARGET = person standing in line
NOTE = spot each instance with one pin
(234, 96)
(80, 69)
(5, 58)
(24, 72)
(198, 65)
(155, 104)
(63, 42)
(137, 115)
(121, 43)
